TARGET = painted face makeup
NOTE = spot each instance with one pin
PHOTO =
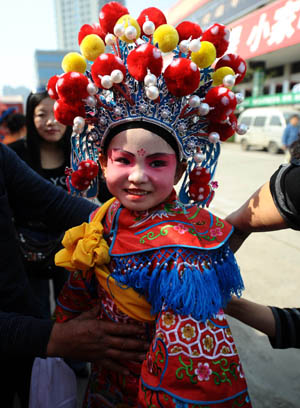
(140, 169)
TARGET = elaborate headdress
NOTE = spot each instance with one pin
(136, 81)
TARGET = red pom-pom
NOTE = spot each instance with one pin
(104, 65)
(51, 87)
(79, 182)
(87, 29)
(72, 87)
(187, 29)
(182, 77)
(223, 102)
(155, 15)
(219, 35)
(199, 188)
(235, 62)
(88, 169)
(225, 130)
(145, 57)
(110, 14)
(65, 113)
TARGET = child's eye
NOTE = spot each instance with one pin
(122, 160)
(158, 163)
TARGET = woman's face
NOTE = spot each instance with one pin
(140, 169)
(47, 127)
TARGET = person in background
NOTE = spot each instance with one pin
(290, 134)
(275, 205)
(24, 333)
(16, 125)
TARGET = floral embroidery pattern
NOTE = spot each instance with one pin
(203, 371)
(188, 332)
(216, 232)
(168, 319)
(208, 343)
(176, 349)
(181, 228)
(225, 350)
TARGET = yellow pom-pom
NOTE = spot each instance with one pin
(92, 46)
(129, 24)
(205, 56)
(219, 75)
(167, 38)
(73, 61)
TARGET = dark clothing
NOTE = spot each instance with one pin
(285, 190)
(25, 194)
(287, 328)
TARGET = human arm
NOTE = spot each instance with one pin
(33, 197)
(258, 213)
(281, 325)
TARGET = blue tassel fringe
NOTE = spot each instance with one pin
(191, 290)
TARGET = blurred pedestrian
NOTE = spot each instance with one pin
(16, 125)
(290, 135)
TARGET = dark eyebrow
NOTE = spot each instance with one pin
(154, 155)
(122, 151)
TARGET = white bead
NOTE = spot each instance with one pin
(203, 109)
(106, 82)
(77, 129)
(241, 129)
(117, 111)
(214, 137)
(199, 157)
(194, 101)
(184, 46)
(130, 33)
(78, 120)
(110, 39)
(152, 92)
(229, 81)
(91, 101)
(117, 76)
(165, 114)
(150, 80)
(148, 27)
(239, 98)
(195, 45)
(143, 108)
(91, 88)
(119, 30)
(102, 121)
(182, 127)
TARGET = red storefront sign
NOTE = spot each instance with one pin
(267, 29)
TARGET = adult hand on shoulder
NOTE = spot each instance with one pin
(88, 339)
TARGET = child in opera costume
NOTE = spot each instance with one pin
(146, 255)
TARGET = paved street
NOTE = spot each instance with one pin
(269, 264)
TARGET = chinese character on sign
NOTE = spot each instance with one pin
(235, 38)
(259, 32)
(283, 27)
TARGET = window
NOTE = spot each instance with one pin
(246, 120)
(259, 121)
(275, 121)
(295, 67)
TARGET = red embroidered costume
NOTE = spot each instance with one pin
(192, 361)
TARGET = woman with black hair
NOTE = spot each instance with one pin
(46, 149)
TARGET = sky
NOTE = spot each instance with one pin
(26, 25)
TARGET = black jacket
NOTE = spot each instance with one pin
(24, 193)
